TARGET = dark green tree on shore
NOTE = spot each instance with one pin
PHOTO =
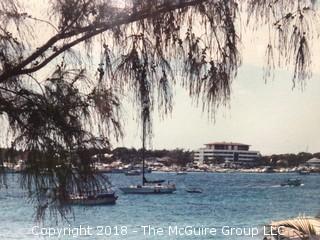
(57, 107)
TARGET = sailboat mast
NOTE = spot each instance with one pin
(143, 147)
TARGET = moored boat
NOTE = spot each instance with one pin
(194, 190)
(151, 186)
(105, 198)
(149, 189)
(181, 173)
(296, 182)
(133, 173)
(304, 172)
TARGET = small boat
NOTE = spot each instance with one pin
(181, 173)
(133, 173)
(296, 182)
(194, 190)
(149, 189)
(304, 172)
(105, 198)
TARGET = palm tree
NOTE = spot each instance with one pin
(304, 228)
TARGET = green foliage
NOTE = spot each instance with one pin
(293, 160)
(179, 157)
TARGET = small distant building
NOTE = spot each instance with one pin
(165, 160)
(234, 153)
(313, 162)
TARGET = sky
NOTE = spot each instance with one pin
(271, 117)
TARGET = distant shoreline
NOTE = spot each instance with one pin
(226, 170)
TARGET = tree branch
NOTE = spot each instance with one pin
(93, 31)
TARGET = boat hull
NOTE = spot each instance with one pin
(93, 202)
(148, 190)
(194, 190)
(292, 183)
(106, 199)
(181, 173)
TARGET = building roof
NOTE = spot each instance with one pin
(314, 160)
(227, 143)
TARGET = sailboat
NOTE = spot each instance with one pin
(148, 187)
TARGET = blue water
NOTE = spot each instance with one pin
(238, 200)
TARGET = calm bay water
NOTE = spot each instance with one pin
(232, 199)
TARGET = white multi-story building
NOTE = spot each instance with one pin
(313, 162)
(236, 153)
